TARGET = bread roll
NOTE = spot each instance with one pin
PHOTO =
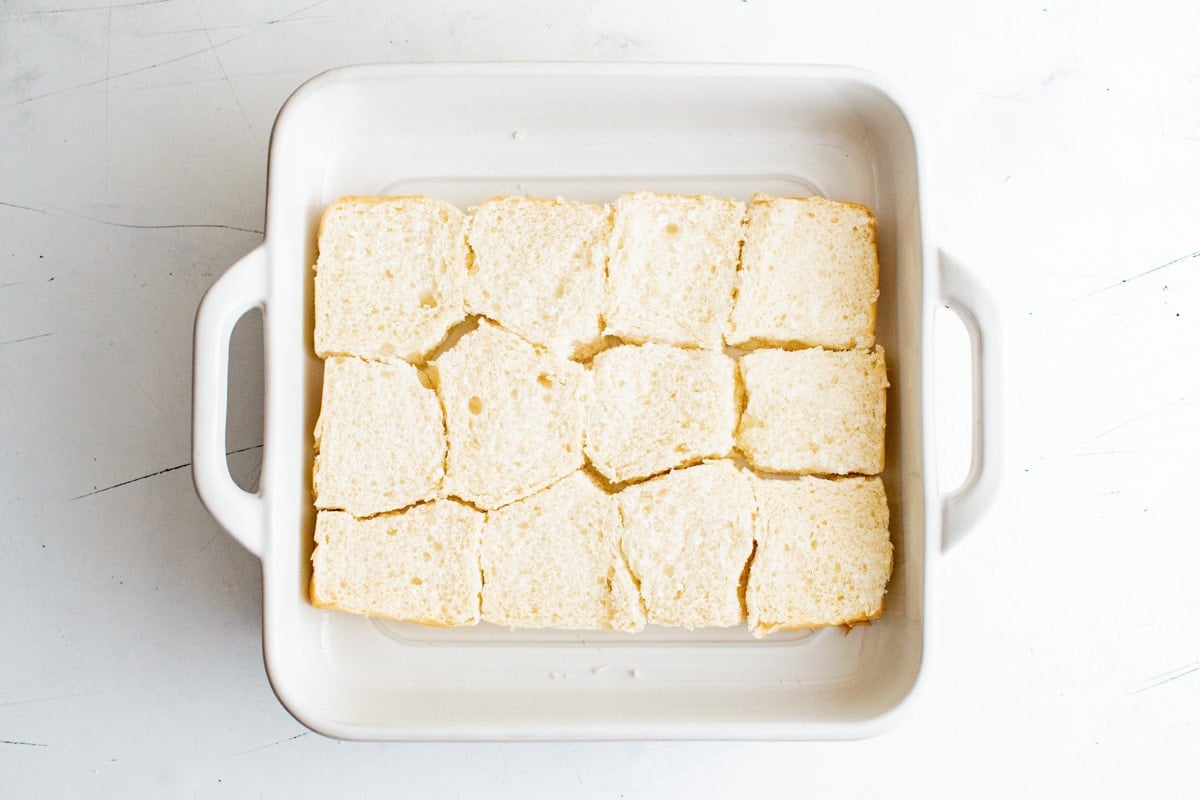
(417, 565)
(809, 275)
(552, 560)
(814, 411)
(514, 416)
(538, 269)
(671, 267)
(823, 556)
(687, 536)
(379, 439)
(391, 276)
(653, 407)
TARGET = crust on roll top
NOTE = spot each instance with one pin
(550, 413)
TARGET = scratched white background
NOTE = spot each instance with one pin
(1065, 145)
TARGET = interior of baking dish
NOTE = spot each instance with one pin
(464, 134)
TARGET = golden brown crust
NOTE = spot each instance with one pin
(846, 622)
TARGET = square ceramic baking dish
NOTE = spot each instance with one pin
(465, 133)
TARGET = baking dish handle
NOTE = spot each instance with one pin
(962, 508)
(241, 288)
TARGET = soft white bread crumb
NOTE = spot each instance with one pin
(823, 555)
(379, 438)
(671, 267)
(552, 560)
(514, 416)
(539, 269)
(809, 275)
(653, 407)
(814, 411)
(419, 565)
(687, 537)
(391, 276)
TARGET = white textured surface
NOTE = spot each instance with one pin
(1062, 145)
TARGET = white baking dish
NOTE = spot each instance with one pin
(464, 133)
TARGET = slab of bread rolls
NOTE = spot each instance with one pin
(668, 410)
